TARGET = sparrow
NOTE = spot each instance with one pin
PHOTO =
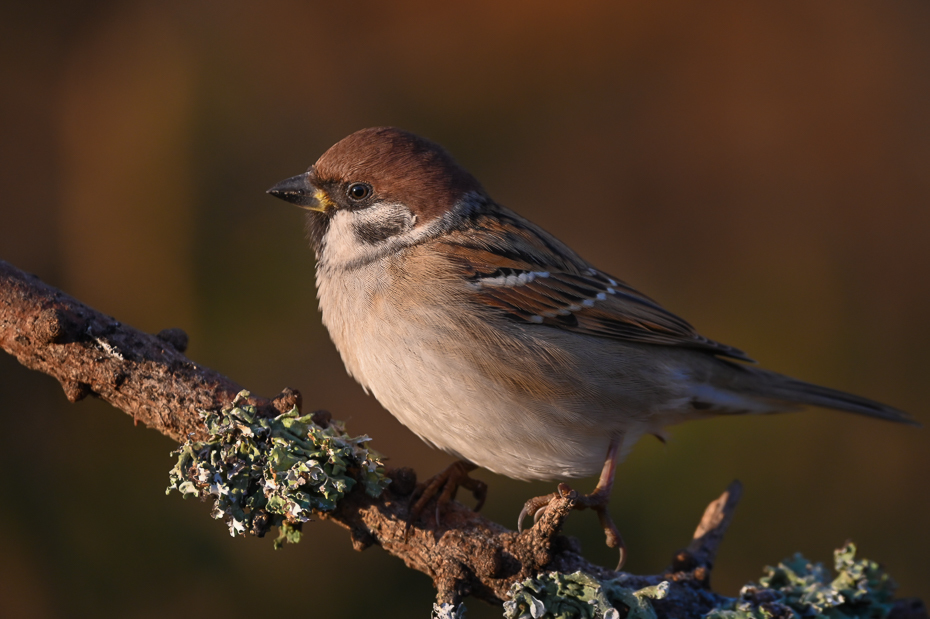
(494, 341)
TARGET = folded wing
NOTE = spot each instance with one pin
(531, 277)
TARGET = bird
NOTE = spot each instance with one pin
(494, 341)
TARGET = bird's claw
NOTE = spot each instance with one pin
(537, 507)
(596, 501)
(448, 482)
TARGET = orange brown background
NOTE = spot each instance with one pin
(762, 169)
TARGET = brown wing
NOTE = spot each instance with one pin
(525, 273)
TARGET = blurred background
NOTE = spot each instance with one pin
(762, 169)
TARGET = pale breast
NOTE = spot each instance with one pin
(514, 401)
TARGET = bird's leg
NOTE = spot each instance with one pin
(597, 501)
(448, 481)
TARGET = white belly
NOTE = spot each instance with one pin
(447, 404)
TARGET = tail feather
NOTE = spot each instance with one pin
(764, 384)
(794, 390)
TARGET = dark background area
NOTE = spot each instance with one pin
(762, 169)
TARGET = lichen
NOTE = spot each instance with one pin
(795, 589)
(265, 472)
(448, 611)
(579, 596)
(798, 588)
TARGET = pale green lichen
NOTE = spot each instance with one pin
(638, 602)
(795, 589)
(581, 596)
(448, 611)
(265, 472)
(798, 588)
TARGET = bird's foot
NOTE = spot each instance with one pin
(596, 501)
(448, 482)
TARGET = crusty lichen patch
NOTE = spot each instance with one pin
(795, 589)
(581, 596)
(798, 588)
(265, 472)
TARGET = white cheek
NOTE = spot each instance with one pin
(341, 244)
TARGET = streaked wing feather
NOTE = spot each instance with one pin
(559, 290)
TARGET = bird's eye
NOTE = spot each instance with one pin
(359, 191)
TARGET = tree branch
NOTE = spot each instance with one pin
(148, 377)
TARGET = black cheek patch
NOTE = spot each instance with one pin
(317, 225)
(381, 229)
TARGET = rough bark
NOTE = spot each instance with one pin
(148, 377)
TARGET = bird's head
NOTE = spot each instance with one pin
(375, 189)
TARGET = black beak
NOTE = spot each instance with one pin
(296, 190)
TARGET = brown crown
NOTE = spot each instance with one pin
(401, 167)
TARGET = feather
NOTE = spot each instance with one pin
(513, 266)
